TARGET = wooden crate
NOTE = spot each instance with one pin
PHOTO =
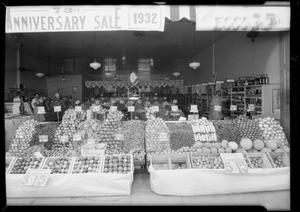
(181, 159)
(273, 155)
(14, 162)
(266, 162)
(107, 156)
(51, 159)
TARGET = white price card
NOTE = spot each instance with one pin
(155, 108)
(233, 107)
(234, 163)
(43, 138)
(113, 108)
(57, 108)
(64, 139)
(130, 108)
(20, 135)
(251, 107)
(96, 108)
(194, 108)
(78, 108)
(41, 110)
(77, 137)
(174, 108)
(174, 101)
(219, 82)
(38, 155)
(182, 118)
(119, 137)
(217, 108)
(121, 101)
(36, 177)
(211, 83)
(163, 136)
(230, 80)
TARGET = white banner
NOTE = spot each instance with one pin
(242, 18)
(84, 18)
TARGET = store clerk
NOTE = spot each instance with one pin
(37, 101)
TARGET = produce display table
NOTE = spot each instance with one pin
(11, 125)
(72, 185)
(190, 182)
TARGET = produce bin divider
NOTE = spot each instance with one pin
(263, 156)
(11, 162)
(273, 155)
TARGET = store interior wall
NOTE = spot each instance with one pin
(233, 58)
(10, 69)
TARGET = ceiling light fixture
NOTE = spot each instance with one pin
(194, 64)
(95, 65)
(176, 74)
(39, 75)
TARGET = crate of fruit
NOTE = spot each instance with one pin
(97, 149)
(160, 162)
(21, 164)
(216, 161)
(200, 160)
(8, 163)
(86, 164)
(278, 159)
(259, 160)
(58, 165)
(118, 164)
(247, 159)
(180, 161)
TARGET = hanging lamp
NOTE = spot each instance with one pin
(194, 64)
(95, 65)
(176, 74)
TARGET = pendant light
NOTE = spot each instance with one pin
(176, 74)
(95, 65)
(194, 64)
(39, 74)
(108, 74)
(62, 72)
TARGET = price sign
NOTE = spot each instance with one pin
(182, 118)
(119, 137)
(219, 82)
(194, 109)
(174, 101)
(230, 80)
(155, 108)
(77, 137)
(38, 155)
(121, 101)
(234, 163)
(43, 138)
(96, 108)
(211, 83)
(41, 110)
(174, 108)
(233, 107)
(64, 139)
(217, 108)
(114, 108)
(36, 177)
(131, 108)
(57, 108)
(78, 108)
(251, 107)
(163, 136)
(20, 135)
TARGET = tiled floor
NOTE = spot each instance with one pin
(141, 194)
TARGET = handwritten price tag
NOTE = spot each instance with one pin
(174, 108)
(163, 137)
(174, 101)
(36, 177)
(155, 108)
(57, 108)
(234, 163)
(96, 108)
(131, 108)
(77, 137)
(43, 138)
(217, 108)
(41, 110)
(38, 155)
(119, 137)
(64, 139)
(233, 107)
(114, 108)
(78, 108)
(194, 109)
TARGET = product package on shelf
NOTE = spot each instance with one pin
(204, 130)
(21, 164)
(118, 164)
(259, 160)
(58, 165)
(8, 163)
(86, 164)
(180, 161)
(160, 162)
(279, 159)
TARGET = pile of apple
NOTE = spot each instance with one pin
(118, 164)
(58, 165)
(86, 165)
(248, 128)
(217, 162)
(201, 162)
(22, 164)
(23, 137)
(256, 162)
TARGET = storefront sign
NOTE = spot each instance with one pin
(163, 137)
(84, 18)
(36, 177)
(113, 108)
(57, 108)
(174, 101)
(174, 108)
(234, 163)
(78, 108)
(243, 18)
(194, 109)
(64, 139)
(233, 107)
(217, 108)
(130, 108)
(43, 138)
(41, 110)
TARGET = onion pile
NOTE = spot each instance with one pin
(155, 127)
(271, 130)
(26, 129)
(248, 128)
(181, 134)
(225, 130)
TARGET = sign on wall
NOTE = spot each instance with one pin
(242, 18)
(84, 18)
